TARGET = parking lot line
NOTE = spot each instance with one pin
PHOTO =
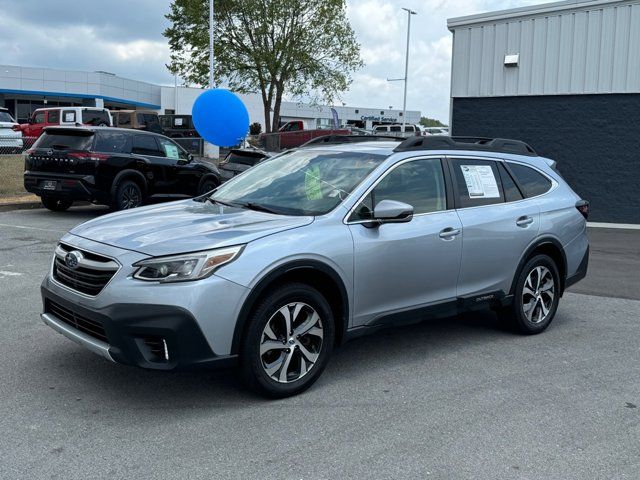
(32, 228)
(624, 226)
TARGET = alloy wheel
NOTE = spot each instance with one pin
(130, 197)
(538, 294)
(291, 342)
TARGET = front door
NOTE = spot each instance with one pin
(402, 269)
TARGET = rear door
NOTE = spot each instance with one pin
(498, 225)
(146, 146)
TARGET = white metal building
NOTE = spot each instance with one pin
(564, 77)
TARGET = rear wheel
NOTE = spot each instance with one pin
(536, 296)
(128, 195)
(56, 204)
(288, 341)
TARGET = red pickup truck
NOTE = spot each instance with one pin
(292, 134)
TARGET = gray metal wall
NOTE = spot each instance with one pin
(593, 48)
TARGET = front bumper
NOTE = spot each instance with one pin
(150, 325)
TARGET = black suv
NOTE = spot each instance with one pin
(112, 166)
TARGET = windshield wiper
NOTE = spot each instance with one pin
(257, 207)
(215, 200)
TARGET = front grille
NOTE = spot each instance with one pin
(79, 322)
(91, 274)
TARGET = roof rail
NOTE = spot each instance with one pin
(439, 142)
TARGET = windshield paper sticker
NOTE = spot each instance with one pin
(480, 180)
(171, 151)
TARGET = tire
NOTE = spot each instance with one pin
(128, 195)
(303, 357)
(207, 184)
(56, 204)
(534, 303)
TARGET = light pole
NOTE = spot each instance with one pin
(406, 68)
(211, 43)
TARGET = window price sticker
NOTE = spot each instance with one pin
(480, 180)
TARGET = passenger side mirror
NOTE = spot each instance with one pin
(392, 211)
(182, 161)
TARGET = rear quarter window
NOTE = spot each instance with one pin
(95, 117)
(531, 182)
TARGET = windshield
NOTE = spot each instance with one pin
(299, 183)
(5, 117)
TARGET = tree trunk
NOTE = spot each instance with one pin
(276, 108)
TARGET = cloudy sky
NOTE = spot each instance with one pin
(125, 37)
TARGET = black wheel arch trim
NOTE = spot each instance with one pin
(129, 173)
(274, 275)
(540, 242)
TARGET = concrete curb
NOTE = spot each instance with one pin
(7, 207)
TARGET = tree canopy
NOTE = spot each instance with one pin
(274, 47)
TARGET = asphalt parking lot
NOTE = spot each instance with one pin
(453, 398)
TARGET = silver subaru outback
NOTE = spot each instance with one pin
(319, 245)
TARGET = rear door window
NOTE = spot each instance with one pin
(531, 182)
(113, 142)
(146, 145)
(477, 182)
(54, 117)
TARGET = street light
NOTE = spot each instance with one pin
(406, 67)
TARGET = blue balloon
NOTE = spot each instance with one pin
(220, 117)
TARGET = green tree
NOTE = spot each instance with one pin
(274, 47)
(431, 122)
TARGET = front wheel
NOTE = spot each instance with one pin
(536, 296)
(56, 204)
(288, 341)
(206, 185)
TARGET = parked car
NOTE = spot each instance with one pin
(398, 130)
(65, 116)
(10, 133)
(239, 160)
(317, 246)
(436, 130)
(147, 120)
(178, 126)
(112, 166)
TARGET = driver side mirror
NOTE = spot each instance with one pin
(392, 211)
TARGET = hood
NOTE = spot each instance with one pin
(184, 226)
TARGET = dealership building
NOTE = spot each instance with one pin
(24, 89)
(565, 78)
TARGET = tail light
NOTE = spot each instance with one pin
(99, 157)
(583, 208)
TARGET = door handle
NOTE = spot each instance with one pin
(524, 221)
(449, 233)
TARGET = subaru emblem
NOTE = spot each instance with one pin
(73, 259)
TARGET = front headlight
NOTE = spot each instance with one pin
(190, 266)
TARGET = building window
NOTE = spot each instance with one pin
(357, 111)
(400, 114)
(382, 113)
